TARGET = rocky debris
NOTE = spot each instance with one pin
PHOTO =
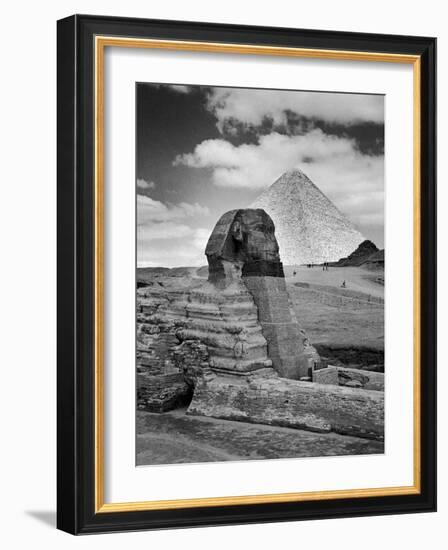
(309, 227)
(364, 251)
(342, 376)
(293, 404)
(163, 392)
(161, 384)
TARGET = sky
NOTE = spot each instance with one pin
(202, 151)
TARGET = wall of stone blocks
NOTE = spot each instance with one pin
(293, 404)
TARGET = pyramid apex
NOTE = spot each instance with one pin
(294, 174)
(309, 228)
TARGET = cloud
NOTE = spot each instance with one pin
(164, 235)
(353, 181)
(174, 245)
(163, 230)
(180, 88)
(252, 108)
(143, 184)
(150, 211)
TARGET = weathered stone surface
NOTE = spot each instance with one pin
(242, 243)
(167, 362)
(226, 321)
(361, 378)
(292, 404)
(284, 337)
(184, 334)
(354, 384)
(163, 392)
(308, 226)
(328, 375)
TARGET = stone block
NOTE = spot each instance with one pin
(162, 393)
(361, 378)
(292, 404)
(328, 375)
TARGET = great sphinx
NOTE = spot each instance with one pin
(243, 247)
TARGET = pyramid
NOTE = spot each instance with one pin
(308, 226)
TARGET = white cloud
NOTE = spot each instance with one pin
(164, 235)
(163, 230)
(174, 245)
(353, 181)
(151, 211)
(180, 88)
(252, 107)
(143, 184)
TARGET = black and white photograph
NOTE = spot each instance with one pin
(221, 304)
(260, 274)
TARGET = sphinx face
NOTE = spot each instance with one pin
(243, 239)
(254, 229)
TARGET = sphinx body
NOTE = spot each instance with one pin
(243, 247)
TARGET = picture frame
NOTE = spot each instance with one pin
(82, 43)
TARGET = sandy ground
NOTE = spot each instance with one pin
(356, 278)
(174, 438)
(354, 322)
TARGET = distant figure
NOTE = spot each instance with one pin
(294, 273)
(343, 284)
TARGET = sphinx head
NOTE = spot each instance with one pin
(243, 243)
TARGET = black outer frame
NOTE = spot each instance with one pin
(75, 295)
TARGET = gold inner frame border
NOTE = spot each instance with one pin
(100, 43)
